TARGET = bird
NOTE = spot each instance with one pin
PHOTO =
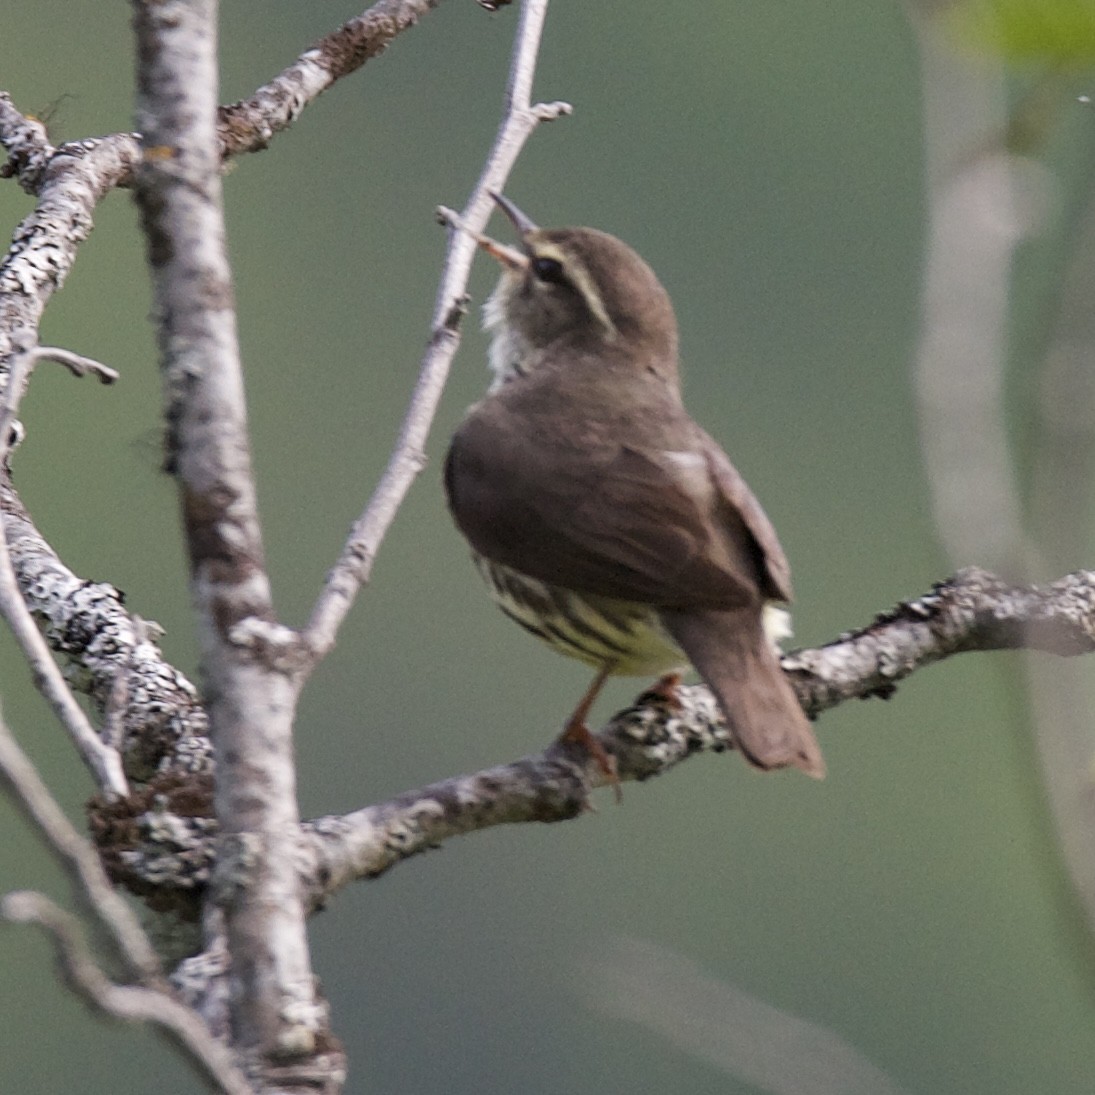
(603, 519)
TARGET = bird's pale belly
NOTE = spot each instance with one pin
(626, 636)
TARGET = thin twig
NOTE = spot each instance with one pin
(32, 797)
(104, 763)
(127, 1002)
(520, 118)
(76, 364)
(250, 125)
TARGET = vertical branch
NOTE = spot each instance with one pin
(250, 702)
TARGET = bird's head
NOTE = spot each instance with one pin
(575, 289)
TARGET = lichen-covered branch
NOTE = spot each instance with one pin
(974, 610)
(249, 125)
(971, 611)
(276, 1015)
(112, 654)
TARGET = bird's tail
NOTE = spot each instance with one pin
(732, 653)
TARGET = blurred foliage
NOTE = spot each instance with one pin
(1055, 32)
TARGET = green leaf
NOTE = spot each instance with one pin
(1061, 32)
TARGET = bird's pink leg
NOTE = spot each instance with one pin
(577, 731)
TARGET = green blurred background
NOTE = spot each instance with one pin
(767, 160)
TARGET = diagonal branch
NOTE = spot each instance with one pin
(32, 798)
(974, 610)
(249, 125)
(128, 1002)
(520, 119)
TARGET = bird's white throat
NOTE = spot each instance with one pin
(507, 348)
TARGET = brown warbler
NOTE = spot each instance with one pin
(603, 519)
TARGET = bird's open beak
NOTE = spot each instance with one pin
(524, 224)
(510, 257)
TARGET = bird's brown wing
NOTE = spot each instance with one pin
(661, 527)
(736, 503)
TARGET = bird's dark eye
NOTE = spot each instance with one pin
(546, 269)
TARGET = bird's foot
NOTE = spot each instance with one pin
(578, 733)
(665, 690)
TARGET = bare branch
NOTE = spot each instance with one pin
(76, 364)
(128, 1002)
(164, 726)
(276, 1015)
(520, 118)
(32, 797)
(249, 126)
(104, 763)
(972, 611)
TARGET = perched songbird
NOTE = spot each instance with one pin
(603, 519)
